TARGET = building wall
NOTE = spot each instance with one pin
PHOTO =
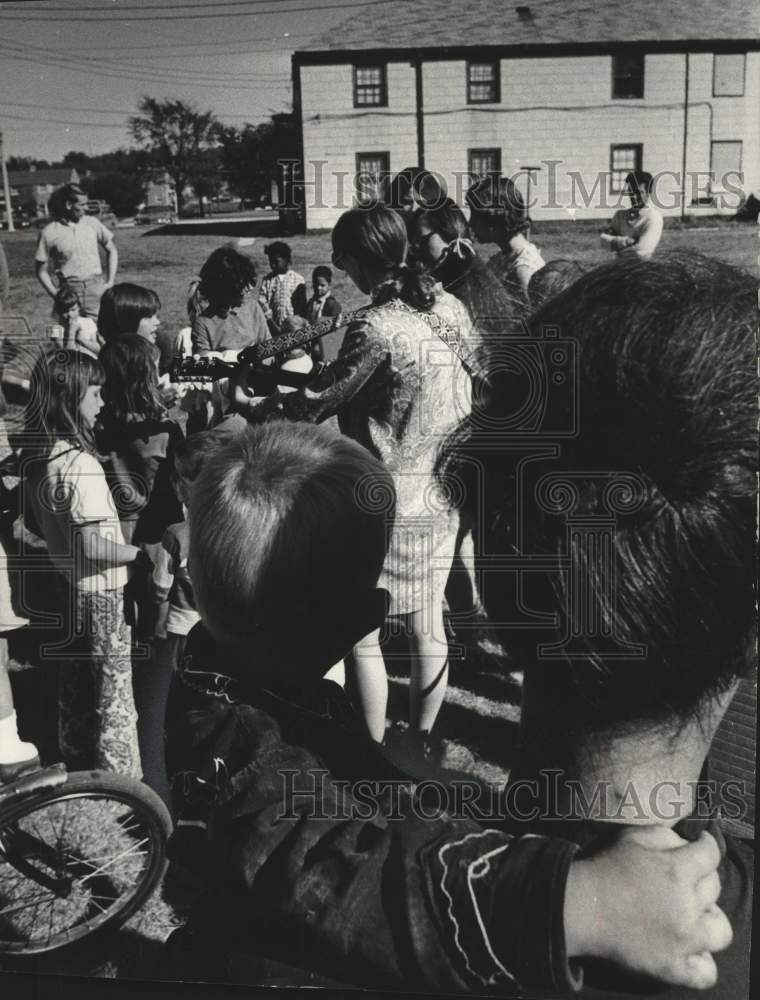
(334, 132)
(555, 113)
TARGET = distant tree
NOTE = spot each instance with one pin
(175, 135)
(19, 162)
(122, 191)
(251, 154)
(77, 161)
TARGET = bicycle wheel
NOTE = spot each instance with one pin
(77, 858)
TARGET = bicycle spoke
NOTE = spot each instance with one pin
(22, 906)
(126, 853)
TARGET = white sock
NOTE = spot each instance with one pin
(12, 749)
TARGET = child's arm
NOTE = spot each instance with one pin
(263, 298)
(162, 577)
(366, 886)
(105, 553)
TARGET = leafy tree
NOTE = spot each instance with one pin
(251, 154)
(175, 135)
(122, 191)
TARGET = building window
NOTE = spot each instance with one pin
(627, 76)
(624, 159)
(728, 75)
(725, 159)
(483, 83)
(373, 172)
(370, 87)
(483, 162)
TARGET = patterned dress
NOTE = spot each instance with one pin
(399, 389)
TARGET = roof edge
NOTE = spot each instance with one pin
(316, 57)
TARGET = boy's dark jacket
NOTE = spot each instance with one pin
(311, 880)
(336, 887)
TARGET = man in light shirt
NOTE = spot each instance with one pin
(635, 232)
(69, 247)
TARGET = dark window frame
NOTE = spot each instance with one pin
(383, 154)
(383, 101)
(619, 77)
(744, 73)
(496, 99)
(638, 163)
(483, 151)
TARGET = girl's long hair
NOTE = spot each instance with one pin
(377, 237)
(122, 307)
(131, 381)
(225, 278)
(58, 384)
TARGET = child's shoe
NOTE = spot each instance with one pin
(16, 757)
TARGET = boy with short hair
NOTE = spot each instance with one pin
(81, 331)
(307, 875)
(322, 305)
(283, 290)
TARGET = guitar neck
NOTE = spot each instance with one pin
(286, 342)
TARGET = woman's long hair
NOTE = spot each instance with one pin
(58, 384)
(498, 198)
(131, 380)
(376, 237)
(225, 278)
(122, 307)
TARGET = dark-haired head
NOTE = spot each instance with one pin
(639, 180)
(370, 244)
(434, 229)
(321, 273)
(551, 279)
(414, 188)
(131, 385)
(66, 298)
(225, 278)
(122, 307)
(664, 388)
(58, 385)
(497, 209)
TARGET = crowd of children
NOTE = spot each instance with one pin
(209, 579)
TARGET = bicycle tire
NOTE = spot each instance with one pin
(92, 787)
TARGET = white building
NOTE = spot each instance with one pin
(583, 92)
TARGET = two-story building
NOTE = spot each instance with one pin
(567, 96)
(31, 189)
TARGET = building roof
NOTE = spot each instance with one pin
(424, 24)
(42, 177)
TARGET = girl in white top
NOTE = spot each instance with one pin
(498, 215)
(67, 493)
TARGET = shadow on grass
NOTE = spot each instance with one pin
(228, 227)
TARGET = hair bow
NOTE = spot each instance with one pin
(462, 247)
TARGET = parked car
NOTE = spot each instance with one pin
(101, 210)
(21, 219)
(155, 215)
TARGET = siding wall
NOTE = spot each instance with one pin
(556, 113)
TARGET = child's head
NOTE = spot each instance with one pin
(64, 399)
(66, 305)
(189, 455)
(288, 534)
(639, 185)
(663, 455)
(226, 277)
(127, 309)
(497, 209)
(280, 256)
(131, 385)
(435, 229)
(321, 280)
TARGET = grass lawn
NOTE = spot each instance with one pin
(168, 262)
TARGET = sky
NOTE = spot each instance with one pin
(72, 71)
